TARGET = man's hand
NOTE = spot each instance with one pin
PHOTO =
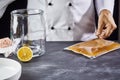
(106, 24)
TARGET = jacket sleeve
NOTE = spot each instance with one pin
(3, 6)
(104, 4)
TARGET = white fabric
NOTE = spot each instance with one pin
(105, 4)
(79, 17)
(3, 6)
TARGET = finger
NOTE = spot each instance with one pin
(102, 35)
(106, 36)
(110, 32)
(111, 20)
(108, 29)
(100, 26)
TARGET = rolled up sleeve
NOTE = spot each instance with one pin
(104, 4)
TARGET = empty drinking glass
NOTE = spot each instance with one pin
(28, 29)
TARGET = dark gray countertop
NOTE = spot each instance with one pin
(57, 64)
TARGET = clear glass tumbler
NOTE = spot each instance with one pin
(28, 29)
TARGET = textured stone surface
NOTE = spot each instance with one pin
(57, 64)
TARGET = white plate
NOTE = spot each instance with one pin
(9, 69)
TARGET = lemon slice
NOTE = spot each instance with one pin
(24, 54)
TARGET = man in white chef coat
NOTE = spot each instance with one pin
(74, 20)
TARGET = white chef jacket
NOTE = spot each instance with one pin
(70, 20)
(3, 6)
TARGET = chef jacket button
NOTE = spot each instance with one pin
(50, 4)
(70, 4)
(69, 28)
(52, 28)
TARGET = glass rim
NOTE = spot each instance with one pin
(20, 12)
